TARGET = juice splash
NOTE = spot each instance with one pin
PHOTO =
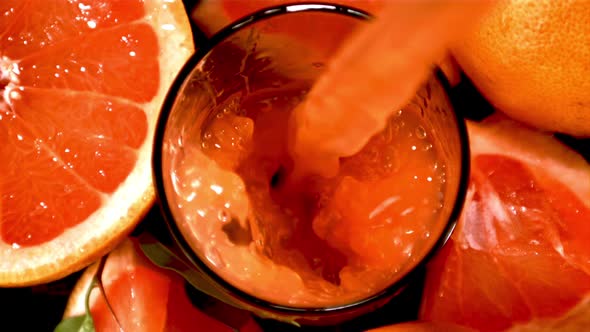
(309, 241)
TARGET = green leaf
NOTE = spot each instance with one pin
(85, 323)
(82, 323)
(165, 258)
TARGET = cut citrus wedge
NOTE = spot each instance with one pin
(82, 84)
(145, 298)
(520, 252)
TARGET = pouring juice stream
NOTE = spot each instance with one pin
(375, 73)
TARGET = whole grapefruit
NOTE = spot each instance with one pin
(529, 58)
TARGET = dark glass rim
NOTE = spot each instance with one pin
(232, 290)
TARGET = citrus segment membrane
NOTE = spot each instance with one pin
(520, 251)
(51, 203)
(576, 319)
(29, 26)
(85, 160)
(94, 137)
(118, 62)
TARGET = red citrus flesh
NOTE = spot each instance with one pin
(72, 117)
(521, 250)
(145, 298)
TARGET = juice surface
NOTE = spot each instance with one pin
(309, 241)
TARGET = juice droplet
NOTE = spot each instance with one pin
(420, 132)
(223, 216)
(214, 257)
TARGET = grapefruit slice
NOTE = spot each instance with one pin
(145, 298)
(520, 252)
(82, 84)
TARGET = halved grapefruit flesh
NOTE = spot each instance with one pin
(82, 84)
(146, 298)
(520, 252)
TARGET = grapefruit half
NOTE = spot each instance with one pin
(520, 252)
(82, 85)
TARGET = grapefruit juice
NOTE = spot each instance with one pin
(310, 241)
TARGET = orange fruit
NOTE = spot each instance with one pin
(529, 58)
(82, 86)
(520, 252)
(145, 298)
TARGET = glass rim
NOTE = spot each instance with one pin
(177, 236)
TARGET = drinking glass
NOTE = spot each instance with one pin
(264, 54)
